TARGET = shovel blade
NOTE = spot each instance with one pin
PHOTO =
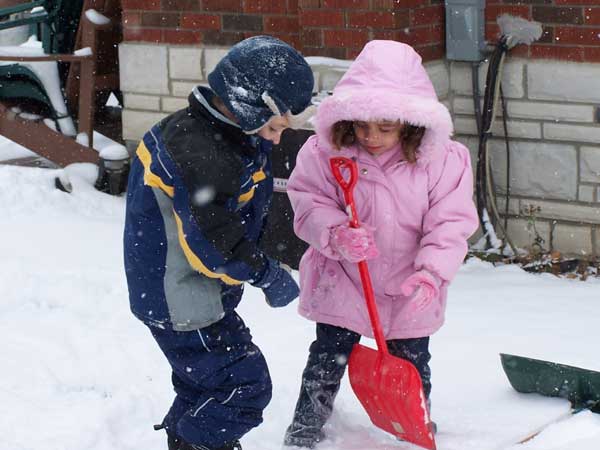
(390, 390)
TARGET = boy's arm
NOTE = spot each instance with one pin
(451, 218)
(211, 232)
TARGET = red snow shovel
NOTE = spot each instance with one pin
(389, 388)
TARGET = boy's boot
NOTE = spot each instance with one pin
(233, 446)
(173, 442)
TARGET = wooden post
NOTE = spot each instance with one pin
(86, 82)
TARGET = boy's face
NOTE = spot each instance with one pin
(272, 130)
(377, 137)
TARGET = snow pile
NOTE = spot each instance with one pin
(80, 372)
(96, 17)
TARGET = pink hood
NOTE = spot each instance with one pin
(368, 92)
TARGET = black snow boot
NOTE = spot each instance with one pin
(320, 385)
(327, 361)
(233, 446)
(172, 440)
(302, 437)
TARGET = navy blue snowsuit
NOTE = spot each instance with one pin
(199, 190)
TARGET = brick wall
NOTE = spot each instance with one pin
(571, 27)
(340, 28)
(336, 28)
(209, 22)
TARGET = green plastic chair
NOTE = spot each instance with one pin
(20, 84)
(56, 24)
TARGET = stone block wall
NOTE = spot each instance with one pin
(157, 79)
(554, 130)
(552, 87)
(552, 125)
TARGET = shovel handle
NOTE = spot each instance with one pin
(337, 164)
(347, 185)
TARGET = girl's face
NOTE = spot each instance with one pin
(377, 137)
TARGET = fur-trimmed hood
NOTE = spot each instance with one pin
(387, 81)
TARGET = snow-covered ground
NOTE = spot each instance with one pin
(79, 372)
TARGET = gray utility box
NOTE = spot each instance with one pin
(465, 30)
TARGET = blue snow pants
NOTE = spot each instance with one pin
(221, 381)
(327, 361)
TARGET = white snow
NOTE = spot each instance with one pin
(113, 101)
(79, 372)
(11, 150)
(114, 152)
(30, 116)
(85, 51)
(328, 62)
(96, 17)
(82, 139)
(50, 124)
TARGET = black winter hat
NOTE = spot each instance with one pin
(263, 76)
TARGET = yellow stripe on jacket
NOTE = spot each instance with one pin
(256, 178)
(150, 178)
(193, 259)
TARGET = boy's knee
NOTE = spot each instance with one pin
(252, 375)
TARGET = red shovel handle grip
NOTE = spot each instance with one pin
(347, 184)
(337, 165)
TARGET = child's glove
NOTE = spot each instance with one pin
(277, 284)
(423, 287)
(354, 244)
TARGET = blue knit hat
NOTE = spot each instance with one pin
(263, 76)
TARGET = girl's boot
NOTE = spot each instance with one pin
(327, 361)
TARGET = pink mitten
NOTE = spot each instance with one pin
(423, 286)
(354, 244)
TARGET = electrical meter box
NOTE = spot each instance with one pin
(465, 30)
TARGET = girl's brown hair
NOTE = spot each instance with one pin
(410, 137)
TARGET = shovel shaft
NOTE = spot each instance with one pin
(365, 278)
(347, 186)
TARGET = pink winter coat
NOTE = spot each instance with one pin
(423, 213)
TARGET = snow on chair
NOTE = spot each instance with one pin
(30, 74)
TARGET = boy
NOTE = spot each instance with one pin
(198, 194)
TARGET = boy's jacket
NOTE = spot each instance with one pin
(198, 194)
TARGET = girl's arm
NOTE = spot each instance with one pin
(314, 198)
(452, 216)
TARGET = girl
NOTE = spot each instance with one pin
(414, 200)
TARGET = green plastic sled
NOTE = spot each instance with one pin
(580, 386)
